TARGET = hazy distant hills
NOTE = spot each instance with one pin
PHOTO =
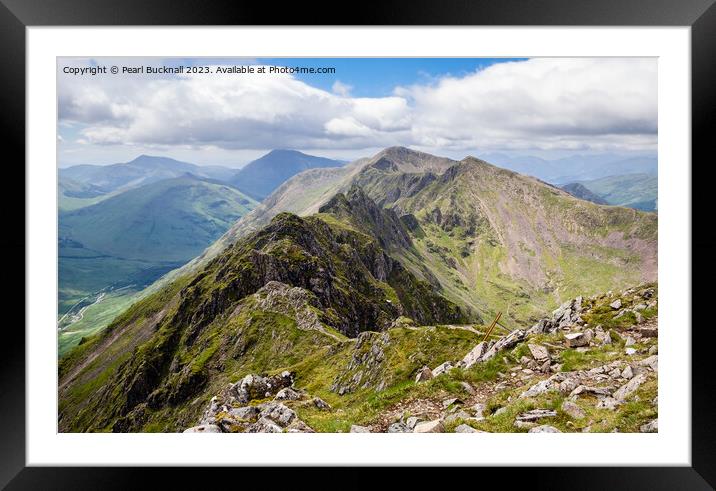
(142, 170)
(262, 176)
(170, 220)
(575, 168)
(638, 191)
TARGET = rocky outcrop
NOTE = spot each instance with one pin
(234, 411)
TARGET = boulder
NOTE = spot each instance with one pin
(203, 429)
(435, 426)
(449, 402)
(412, 421)
(607, 403)
(298, 426)
(503, 343)
(457, 416)
(650, 427)
(359, 429)
(572, 410)
(539, 388)
(544, 429)
(463, 428)
(258, 387)
(616, 304)
(585, 389)
(535, 414)
(651, 362)
(288, 394)
(629, 351)
(320, 403)
(423, 375)
(278, 413)
(248, 413)
(474, 355)
(442, 368)
(265, 425)
(576, 339)
(538, 352)
(398, 428)
(627, 373)
(607, 339)
(477, 410)
(468, 388)
(630, 387)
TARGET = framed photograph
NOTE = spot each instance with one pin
(455, 235)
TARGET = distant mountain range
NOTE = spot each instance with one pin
(262, 176)
(401, 245)
(576, 168)
(145, 169)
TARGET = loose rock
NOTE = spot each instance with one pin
(544, 429)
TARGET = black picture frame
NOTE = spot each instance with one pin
(16, 15)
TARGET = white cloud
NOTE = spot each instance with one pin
(341, 89)
(549, 104)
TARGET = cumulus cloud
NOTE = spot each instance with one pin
(567, 103)
(341, 89)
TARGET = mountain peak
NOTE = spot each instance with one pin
(402, 159)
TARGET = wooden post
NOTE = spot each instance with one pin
(492, 326)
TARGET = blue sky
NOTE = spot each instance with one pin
(447, 106)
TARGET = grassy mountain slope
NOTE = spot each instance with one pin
(262, 176)
(113, 249)
(497, 240)
(300, 282)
